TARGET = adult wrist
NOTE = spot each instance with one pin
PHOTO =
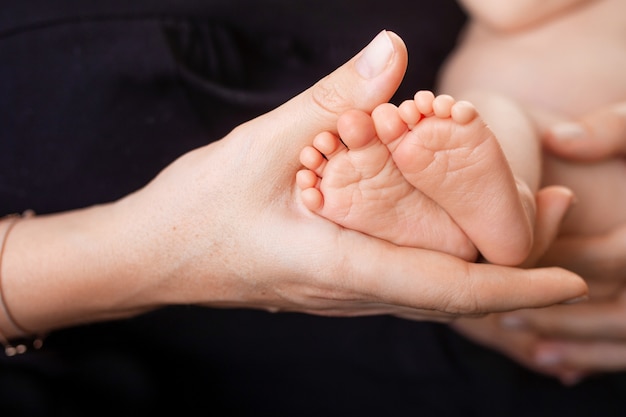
(10, 328)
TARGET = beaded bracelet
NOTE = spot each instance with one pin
(18, 346)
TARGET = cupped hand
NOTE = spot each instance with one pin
(223, 226)
(240, 236)
(255, 245)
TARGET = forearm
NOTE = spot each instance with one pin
(69, 268)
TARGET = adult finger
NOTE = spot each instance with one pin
(581, 357)
(523, 346)
(599, 135)
(600, 257)
(518, 344)
(585, 321)
(552, 204)
(430, 280)
(367, 80)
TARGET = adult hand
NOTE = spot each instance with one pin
(588, 338)
(567, 342)
(501, 332)
(223, 227)
(571, 342)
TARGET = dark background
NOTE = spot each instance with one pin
(97, 97)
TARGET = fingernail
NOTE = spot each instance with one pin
(513, 322)
(567, 131)
(375, 57)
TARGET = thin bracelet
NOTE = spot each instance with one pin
(12, 349)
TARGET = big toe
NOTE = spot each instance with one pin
(356, 129)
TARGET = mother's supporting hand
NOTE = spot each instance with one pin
(571, 342)
(222, 226)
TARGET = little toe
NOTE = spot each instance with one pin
(311, 196)
(312, 199)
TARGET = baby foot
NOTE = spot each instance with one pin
(444, 149)
(354, 182)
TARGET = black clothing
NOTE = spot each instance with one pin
(97, 97)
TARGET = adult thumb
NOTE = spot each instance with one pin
(553, 202)
(370, 78)
(367, 80)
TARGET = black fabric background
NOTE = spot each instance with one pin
(97, 97)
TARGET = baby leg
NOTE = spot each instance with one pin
(354, 182)
(445, 150)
